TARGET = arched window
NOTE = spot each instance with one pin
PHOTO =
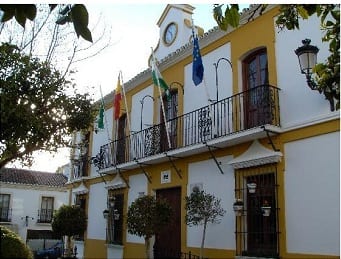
(256, 89)
(255, 69)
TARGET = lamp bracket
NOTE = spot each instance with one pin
(214, 157)
(267, 131)
(178, 171)
(142, 168)
(119, 173)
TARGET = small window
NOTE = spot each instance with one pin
(5, 211)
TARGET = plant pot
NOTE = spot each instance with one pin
(251, 187)
(266, 211)
(238, 209)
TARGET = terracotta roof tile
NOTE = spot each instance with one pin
(25, 176)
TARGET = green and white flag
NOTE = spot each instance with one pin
(159, 81)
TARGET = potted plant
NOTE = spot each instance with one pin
(238, 207)
(266, 208)
(251, 186)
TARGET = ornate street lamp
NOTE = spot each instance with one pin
(307, 58)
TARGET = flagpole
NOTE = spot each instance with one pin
(105, 117)
(206, 89)
(162, 106)
(127, 111)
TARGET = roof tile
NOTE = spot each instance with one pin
(25, 176)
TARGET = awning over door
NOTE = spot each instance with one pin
(256, 155)
(116, 183)
(81, 189)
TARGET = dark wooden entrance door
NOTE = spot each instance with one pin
(168, 240)
(261, 229)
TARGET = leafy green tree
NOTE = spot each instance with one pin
(12, 246)
(76, 14)
(38, 109)
(327, 74)
(203, 208)
(146, 215)
(69, 221)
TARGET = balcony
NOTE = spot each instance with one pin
(220, 122)
(45, 216)
(5, 215)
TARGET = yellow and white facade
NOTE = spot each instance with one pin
(261, 125)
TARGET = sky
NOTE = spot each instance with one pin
(134, 31)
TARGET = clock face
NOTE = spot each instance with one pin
(170, 33)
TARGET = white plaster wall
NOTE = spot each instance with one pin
(195, 96)
(102, 137)
(221, 235)
(147, 116)
(27, 202)
(138, 183)
(299, 104)
(183, 36)
(312, 195)
(97, 203)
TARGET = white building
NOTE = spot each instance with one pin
(256, 121)
(28, 200)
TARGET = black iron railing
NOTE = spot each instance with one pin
(253, 108)
(5, 215)
(45, 215)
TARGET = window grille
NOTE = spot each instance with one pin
(257, 230)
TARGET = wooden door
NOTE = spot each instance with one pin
(171, 111)
(121, 140)
(168, 240)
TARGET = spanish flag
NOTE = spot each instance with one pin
(117, 100)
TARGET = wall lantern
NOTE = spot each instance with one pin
(111, 202)
(105, 213)
(307, 58)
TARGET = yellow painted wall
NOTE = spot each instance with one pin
(95, 249)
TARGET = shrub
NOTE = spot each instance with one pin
(12, 246)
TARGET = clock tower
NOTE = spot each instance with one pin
(175, 26)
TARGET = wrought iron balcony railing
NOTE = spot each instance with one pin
(45, 215)
(253, 108)
(5, 214)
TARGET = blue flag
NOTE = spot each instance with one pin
(198, 68)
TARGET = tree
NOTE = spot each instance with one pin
(12, 246)
(69, 221)
(37, 112)
(76, 14)
(203, 208)
(146, 216)
(327, 74)
(49, 41)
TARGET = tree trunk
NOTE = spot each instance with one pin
(68, 246)
(147, 246)
(203, 240)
